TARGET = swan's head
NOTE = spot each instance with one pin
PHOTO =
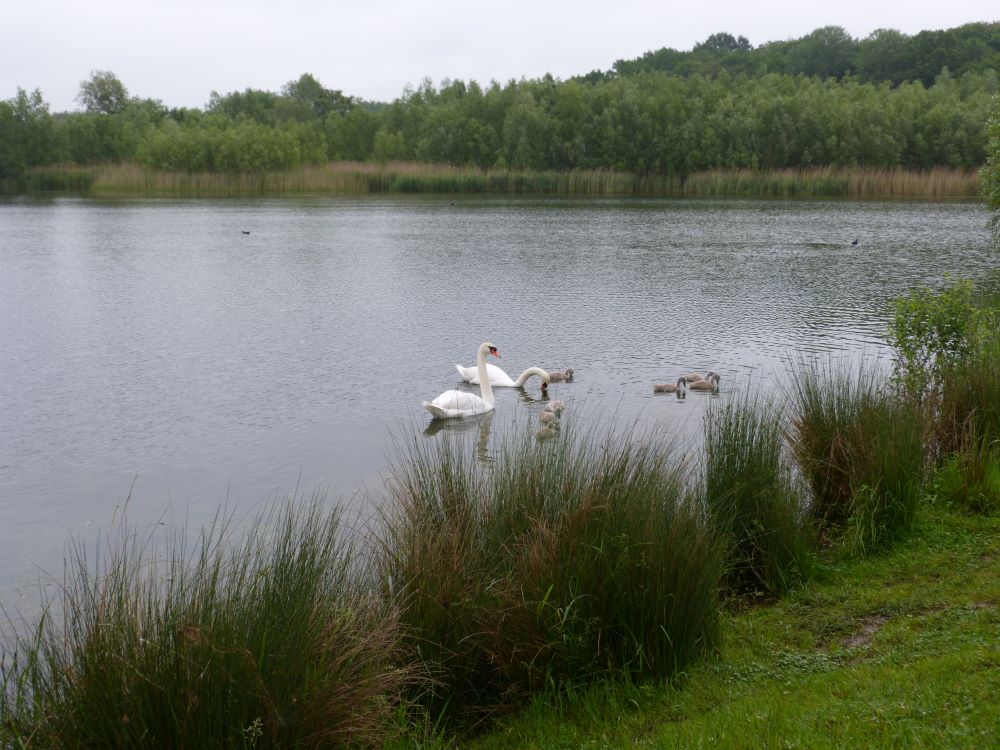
(682, 382)
(488, 348)
(569, 373)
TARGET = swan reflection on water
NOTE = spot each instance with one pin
(470, 425)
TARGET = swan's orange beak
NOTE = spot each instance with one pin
(494, 352)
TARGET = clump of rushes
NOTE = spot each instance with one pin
(862, 451)
(970, 476)
(752, 497)
(274, 643)
(558, 563)
(970, 402)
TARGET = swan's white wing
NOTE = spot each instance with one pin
(468, 373)
(497, 376)
(457, 404)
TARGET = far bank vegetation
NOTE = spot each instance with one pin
(821, 115)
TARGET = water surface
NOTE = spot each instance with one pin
(156, 347)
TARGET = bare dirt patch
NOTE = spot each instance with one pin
(869, 627)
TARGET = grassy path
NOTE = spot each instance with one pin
(902, 650)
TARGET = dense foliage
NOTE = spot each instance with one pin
(885, 55)
(991, 170)
(664, 114)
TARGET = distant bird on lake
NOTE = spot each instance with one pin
(246, 231)
(855, 241)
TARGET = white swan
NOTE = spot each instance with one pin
(462, 404)
(677, 387)
(500, 378)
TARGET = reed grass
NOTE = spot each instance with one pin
(753, 499)
(562, 562)
(967, 431)
(969, 404)
(969, 478)
(406, 177)
(862, 450)
(271, 642)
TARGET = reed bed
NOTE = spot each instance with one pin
(564, 562)
(862, 450)
(753, 498)
(271, 642)
(355, 178)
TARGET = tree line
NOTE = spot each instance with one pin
(885, 55)
(646, 121)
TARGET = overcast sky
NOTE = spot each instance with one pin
(179, 51)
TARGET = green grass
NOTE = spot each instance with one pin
(562, 563)
(269, 642)
(901, 650)
(750, 492)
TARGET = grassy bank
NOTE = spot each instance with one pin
(897, 651)
(355, 178)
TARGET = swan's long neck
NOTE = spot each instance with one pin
(523, 377)
(485, 388)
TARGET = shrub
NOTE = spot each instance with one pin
(932, 332)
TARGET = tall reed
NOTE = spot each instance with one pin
(273, 641)
(861, 449)
(408, 177)
(559, 563)
(752, 496)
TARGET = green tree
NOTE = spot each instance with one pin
(27, 134)
(827, 51)
(991, 170)
(103, 93)
(320, 100)
(884, 55)
(724, 42)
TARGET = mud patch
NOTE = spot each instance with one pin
(869, 627)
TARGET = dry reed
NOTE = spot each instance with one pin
(354, 178)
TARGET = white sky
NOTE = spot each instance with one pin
(179, 51)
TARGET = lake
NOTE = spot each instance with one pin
(195, 354)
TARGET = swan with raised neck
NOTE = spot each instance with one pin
(462, 404)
